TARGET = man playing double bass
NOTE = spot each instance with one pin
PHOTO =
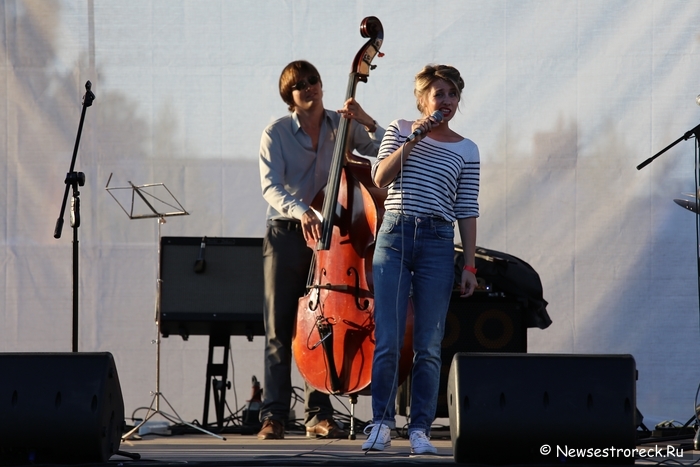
(295, 158)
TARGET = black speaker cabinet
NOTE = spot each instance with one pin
(59, 407)
(483, 323)
(518, 408)
(211, 286)
(480, 323)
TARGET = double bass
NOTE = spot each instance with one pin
(333, 341)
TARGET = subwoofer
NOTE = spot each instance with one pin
(59, 407)
(547, 408)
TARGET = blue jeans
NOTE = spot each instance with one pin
(413, 255)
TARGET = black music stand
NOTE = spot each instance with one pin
(156, 207)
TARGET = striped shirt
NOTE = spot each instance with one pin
(438, 179)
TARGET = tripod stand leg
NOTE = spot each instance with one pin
(169, 417)
(174, 419)
(149, 415)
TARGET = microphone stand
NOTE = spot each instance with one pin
(694, 132)
(688, 134)
(73, 181)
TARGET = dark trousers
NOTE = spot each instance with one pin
(286, 262)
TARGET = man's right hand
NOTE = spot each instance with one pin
(311, 226)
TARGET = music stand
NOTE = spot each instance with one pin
(152, 195)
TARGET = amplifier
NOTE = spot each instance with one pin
(211, 286)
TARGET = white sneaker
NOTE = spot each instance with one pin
(420, 443)
(378, 439)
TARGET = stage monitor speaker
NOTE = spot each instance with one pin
(542, 408)
(59, 407)
(211, 286)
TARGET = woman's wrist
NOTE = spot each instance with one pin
(471, 269)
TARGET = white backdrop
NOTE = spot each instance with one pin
(564, 99)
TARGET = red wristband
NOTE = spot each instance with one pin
(471, 269)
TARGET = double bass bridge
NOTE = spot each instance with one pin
(362, 304)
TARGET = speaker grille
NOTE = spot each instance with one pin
(480, 323)
(225, 297)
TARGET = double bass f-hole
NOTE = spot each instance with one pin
(362, 305)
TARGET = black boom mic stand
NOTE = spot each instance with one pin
(693, 132)
(73, 181)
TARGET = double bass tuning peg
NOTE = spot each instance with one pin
(380, 55)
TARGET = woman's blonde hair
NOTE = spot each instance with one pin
(432, 73)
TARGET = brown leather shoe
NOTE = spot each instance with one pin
(326, 429)
(271, 429)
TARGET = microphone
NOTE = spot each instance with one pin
(437, 116)
(200, 264)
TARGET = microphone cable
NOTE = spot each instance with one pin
(396, 301)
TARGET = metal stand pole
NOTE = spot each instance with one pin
(154, 204)
(157, 395)
(73, 180)
(694, 132)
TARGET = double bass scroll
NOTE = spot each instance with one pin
(362, 64)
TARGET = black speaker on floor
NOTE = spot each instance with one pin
(542, 408)
(59, 407)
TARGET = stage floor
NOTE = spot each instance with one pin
(294, 450)
(297, 450)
